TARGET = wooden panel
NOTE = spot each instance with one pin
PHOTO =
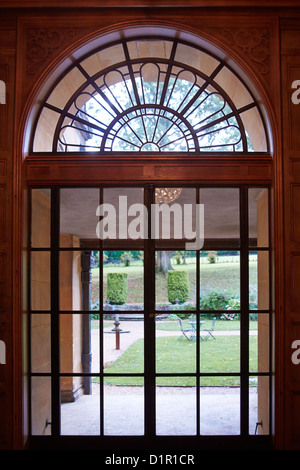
(295, 422)
(293, 74)
(295, 213)
(3, 199)
(3, 289)
(295, 284)
(260, 58)
(290, 41)
(145, 3)
(7, 65)
(39, 172)
(293, 375)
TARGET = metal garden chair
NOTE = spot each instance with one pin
(209, 331)
(188, 333)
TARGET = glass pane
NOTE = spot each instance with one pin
(40, 343)
(174, 214)
(219, 344)
(123, 346)
(79, 344)
(40, 406)
(124, 411)
(80, 413)
(123, 280)
(259, 412)
(191, 56)
(176, 409)
(79, 280)
(40, 280)
(235, 89)
(151, 48)
(66, 88)
(221, 216)
(259, 342)
(44, 133)
(259, 280)
(252, 121)
(78, 219)
(124, 214)
(219, 406)
(103, 59)
(258, 217)
(175, 280)
(175, 345)
(220, 281)
(40, 218)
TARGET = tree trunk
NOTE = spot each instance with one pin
(164, 262)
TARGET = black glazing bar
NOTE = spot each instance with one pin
(168, 73)
(29, 284)
(271, 319)
(244, 317)
(55, 333)
(207, 82)
(131, 73)
(29, 256)
(74, 117)
(90, 81)
(101, 314)
(198, 347)
(149, 322)
(224, 118)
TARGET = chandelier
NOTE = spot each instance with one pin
(166, 195)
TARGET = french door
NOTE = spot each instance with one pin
(150, 315)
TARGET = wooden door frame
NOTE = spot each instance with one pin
(257, 169)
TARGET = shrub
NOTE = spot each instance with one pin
(216, 300)
(126, 257)
(212, 256)
(117, 288)
(178, 286)
(178, 257)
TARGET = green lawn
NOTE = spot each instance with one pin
(223, 276)
(174, 356)
(220, 325)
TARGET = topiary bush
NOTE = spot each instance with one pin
(178, 286)
(117, 285)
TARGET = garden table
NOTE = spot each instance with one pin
(193, 324)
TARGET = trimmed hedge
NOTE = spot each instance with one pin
(178, 286)
(117, 288)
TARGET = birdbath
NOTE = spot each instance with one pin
(117, 328)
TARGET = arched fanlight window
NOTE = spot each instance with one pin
(150, 95)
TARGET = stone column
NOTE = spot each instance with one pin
(86, 319)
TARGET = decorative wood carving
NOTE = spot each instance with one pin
(252, 43)
(44, 44)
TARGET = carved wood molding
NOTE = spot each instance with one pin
(252, 43)
(44, 44)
